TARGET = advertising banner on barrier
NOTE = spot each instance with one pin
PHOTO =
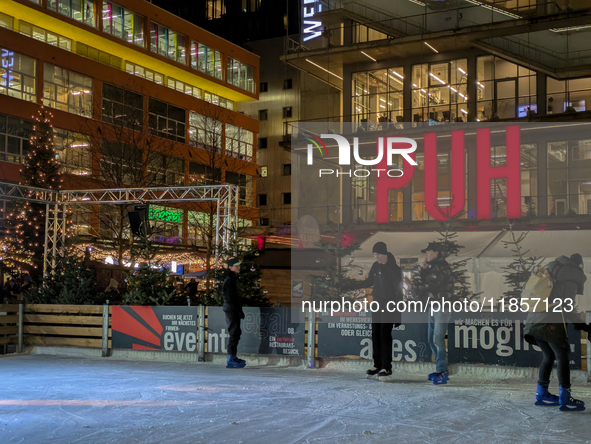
(350, 335)
(154, 328)
(497, 339)
(264, 331)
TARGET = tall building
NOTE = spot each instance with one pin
(452, 62)
(139, 97)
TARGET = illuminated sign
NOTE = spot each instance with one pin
(165, 215)
(511, 171)
(314, 27)
(7, 65)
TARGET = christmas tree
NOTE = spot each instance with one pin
(448, 248)
(151, 283)
(336, 279)
(71, 282)
(519, 270)
(25, 233)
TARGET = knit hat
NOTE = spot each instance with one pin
(577, 259)
(233, 261)
(380, 248)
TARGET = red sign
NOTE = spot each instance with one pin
(484, 173)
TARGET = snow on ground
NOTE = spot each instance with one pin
(49, 399)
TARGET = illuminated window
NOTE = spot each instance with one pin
(239, 142)
(205, 132)
(144, 73)
(67, 90)
(377, 97)
(18, 75)
(123, 23)
(568, 96)
(167, 43)
(15, 135)
(440, 92)
(504, 89)
(73, 151)
(240, 75)
(44, 35)
(183, 87)
(79, 10)
(206, 60)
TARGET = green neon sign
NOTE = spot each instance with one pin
(165, 215)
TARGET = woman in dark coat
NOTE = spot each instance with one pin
(547, 330)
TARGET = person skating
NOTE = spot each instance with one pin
(233, 310)
(547, 330)
(435, 282)
(385, 276)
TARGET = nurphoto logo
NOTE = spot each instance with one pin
(389, 147)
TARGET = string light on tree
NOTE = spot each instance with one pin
(41, 169)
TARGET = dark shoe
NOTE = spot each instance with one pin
(372, 371)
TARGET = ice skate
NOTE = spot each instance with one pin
(440, 378)
(568, 403)
(544, 397)
(385, 375)
(372, 372)
(234, 362)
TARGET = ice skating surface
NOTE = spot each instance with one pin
(49, 399)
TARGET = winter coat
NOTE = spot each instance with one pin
(435, 281)
(569, 280)
(230, 293)
(386, 280)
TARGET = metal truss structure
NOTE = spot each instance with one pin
(57, 203)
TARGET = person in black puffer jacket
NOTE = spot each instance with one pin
(385, 276)
(547, 330)
(232, 307)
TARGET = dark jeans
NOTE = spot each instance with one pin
(381, 337)
(551, 353)
(233, 323)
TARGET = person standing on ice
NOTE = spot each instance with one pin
(547, 330)
(233, 310)
(385, 276)
(435, 282)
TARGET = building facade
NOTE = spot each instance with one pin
(417, 64)
(139, 98)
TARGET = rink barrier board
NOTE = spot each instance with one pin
(66, 325)
(80, 326)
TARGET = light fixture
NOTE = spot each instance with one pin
(571, 28)
(398, 75)
(437, 78)
(462, 71)
(324, 69)
(368, 56)
(433, 49)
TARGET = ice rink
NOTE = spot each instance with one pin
(49, 399)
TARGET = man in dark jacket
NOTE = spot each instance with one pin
(385, 276)
(233, 310)
(547, 330)
(435, 283)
